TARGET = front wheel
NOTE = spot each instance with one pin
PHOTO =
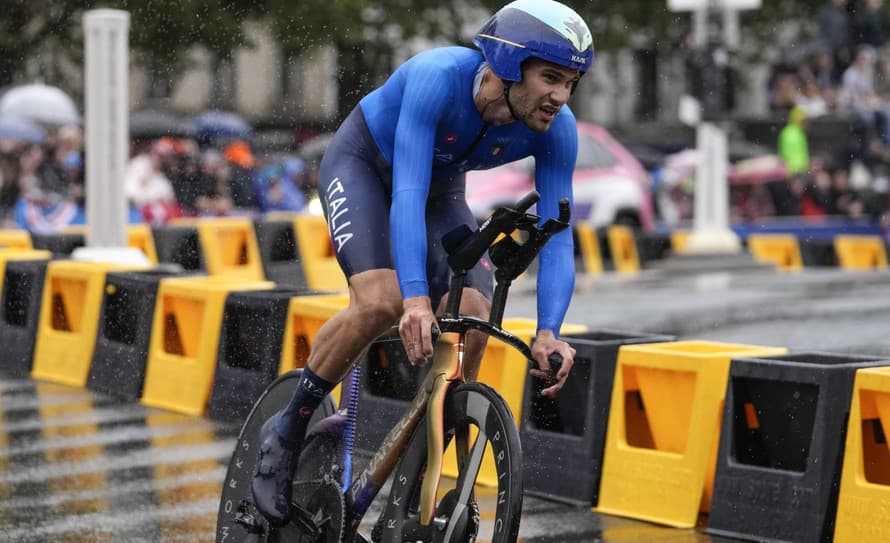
(462, 514)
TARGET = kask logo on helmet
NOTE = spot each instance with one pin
(576, 32)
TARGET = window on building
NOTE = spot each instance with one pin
(291, 72)
(222, 91)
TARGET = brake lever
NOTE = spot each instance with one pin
(555, 360)
(552, 226)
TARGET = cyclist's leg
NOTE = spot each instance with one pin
(375, 302)
(447, 209)
(357, 207)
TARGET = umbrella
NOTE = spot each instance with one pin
(313, 150)
(221, 124)
(46, 105)
(21, 129)
(158, 123)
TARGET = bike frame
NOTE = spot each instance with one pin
(465, 249)
(447, 369)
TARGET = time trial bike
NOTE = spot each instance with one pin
(330, 502)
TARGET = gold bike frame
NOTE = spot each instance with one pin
(430, 401)
(449, 371)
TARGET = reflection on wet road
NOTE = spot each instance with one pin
(78, 466)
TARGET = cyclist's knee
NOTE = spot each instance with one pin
(381, 311)
(375, 297)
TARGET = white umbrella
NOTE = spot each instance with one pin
(21, 129)
(41, 103)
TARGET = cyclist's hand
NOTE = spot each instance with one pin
(416, 328)
(545, 345)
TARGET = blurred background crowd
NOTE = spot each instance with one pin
(844, 73)
(202, 166)
(818, 145)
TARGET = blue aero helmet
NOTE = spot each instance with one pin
(544, 29)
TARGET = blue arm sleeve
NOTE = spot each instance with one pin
(554, 165)
(426, 96)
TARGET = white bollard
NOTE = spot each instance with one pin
(711, 233)
(106, 105)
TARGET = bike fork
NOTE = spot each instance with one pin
(435, 415)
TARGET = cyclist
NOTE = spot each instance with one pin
(392, 183)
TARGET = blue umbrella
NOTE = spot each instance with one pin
(21, 129)
(221, 124)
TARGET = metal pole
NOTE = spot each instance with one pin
(106, 40)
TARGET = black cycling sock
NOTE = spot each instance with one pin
(294, 419)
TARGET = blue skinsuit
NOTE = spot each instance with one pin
(426, 129)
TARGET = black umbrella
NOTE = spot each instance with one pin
(313, 150)
(155, 123)
(221, 124)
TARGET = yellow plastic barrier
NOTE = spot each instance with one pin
(623, 247)
(185, 221)
(317, 254)
(679, 241)
(69, 317)
(783, 250)
(865, 480)
(664, 428)
(230, 248)
(305, 315)
(15, 239)
(184, 340)
(589, 244)
(505, 370)
(140, 237)
(860, 252)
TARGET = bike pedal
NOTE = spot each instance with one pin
(248, 519)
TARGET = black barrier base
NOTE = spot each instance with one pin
(387, 385)
(249, 353)
(278, 252)
(124, 333)
(563, 439)
(58, 244)
(817, 252)
(20, 314)
(178, 244)
(654, 247)
(781, 446)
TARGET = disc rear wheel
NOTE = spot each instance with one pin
(238, 521)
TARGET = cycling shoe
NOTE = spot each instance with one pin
(273, 475)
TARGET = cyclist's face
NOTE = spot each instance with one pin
(544, 89)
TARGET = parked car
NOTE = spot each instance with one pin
(610, 186)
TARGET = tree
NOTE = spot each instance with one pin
(365, 34)
(160, 31)
(29, 26)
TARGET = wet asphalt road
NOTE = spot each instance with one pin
(79, 466)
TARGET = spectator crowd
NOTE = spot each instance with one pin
(42, 184)
(844, 73)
